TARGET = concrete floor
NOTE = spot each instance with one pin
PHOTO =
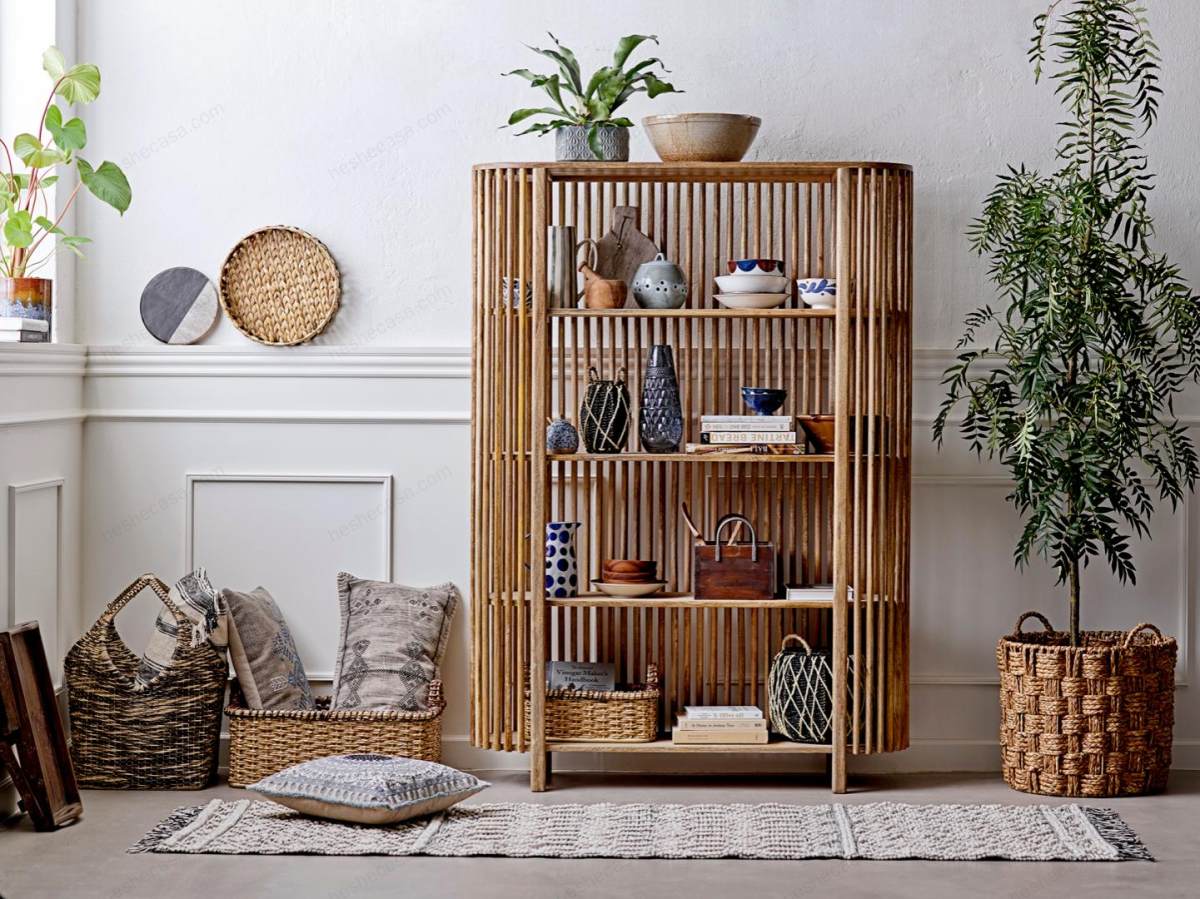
(88, 859)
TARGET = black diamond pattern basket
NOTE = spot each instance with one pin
(800, 692)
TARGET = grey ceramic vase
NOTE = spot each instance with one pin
(660, 425)
(571, 144)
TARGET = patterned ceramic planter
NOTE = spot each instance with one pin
(660, 284)
(571, 144)
(562, 565)
(26, 298)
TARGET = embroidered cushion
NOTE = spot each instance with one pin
(369, 789)
(193, 594)
(264, 654)
(392, 642)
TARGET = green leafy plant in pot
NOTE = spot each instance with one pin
(582, 115)
(29, 223)
(1096, 335)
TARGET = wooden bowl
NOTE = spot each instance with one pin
(819, 429)
(640, 577)
(630, 566)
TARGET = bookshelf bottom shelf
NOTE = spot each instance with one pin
(664, 744)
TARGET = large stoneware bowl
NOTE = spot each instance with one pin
(701, 136)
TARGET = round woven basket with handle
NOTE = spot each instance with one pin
(1092, 720)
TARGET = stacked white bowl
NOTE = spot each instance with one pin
(753, 284)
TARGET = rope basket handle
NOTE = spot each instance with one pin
(1144, 626)
(160, 590)
(1039, 616)
(790, 637)
(434, 698)
(652, 676)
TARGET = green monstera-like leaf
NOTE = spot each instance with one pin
(107, 183)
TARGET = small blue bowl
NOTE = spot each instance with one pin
(763, 400)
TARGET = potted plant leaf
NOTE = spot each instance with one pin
(28, 223)
(582, 115)
(1095, 336)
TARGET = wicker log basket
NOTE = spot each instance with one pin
(164, 736)
(263, 741)
(1093, 720)
(587, 716)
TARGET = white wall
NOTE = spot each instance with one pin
(359, 121)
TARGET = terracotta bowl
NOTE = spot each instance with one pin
(819, 429)
(701, 136)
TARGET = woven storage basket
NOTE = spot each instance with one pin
(263, 741)
(617, 716)
(800, 692)
(1093, 720)
(280, 286)
(162, 737)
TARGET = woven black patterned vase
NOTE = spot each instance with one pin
(660, 420)
(604, 414)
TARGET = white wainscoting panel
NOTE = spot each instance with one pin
(292, 534)
(35, 563)
(967, 592)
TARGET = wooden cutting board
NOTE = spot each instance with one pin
(624, 247)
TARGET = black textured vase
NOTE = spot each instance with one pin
(604, 414)
(660, 425)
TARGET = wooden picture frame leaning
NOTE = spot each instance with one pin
(30, 724)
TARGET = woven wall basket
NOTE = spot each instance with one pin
(1095, 720)
(616, 716)
(280, 286)
(162, 737)
(263, 741)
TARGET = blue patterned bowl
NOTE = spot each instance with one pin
(819, 293)
(755, 266)
(763, 400)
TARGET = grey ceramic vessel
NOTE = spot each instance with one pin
(571, 144)
(659, 284)
(660, 425)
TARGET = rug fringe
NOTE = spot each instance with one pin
(178, 819)
(1117, 833)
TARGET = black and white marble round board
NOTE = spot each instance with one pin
(179, 305)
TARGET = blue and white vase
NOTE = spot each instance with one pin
(562, 566)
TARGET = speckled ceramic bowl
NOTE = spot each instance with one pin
(701, 136)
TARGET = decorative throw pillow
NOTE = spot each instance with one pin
(369, 789)
(264, 654)
(392, 642)
(194, 595)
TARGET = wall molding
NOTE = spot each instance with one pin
(384, 481)
(267, 416)
(290, 362)
(15, 492)
(66, 416)
(42, 360)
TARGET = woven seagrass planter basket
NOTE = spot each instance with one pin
(263, 741)
(162, 737)
(616, 716)
(1094, 720)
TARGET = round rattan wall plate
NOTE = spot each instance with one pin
(280, 286)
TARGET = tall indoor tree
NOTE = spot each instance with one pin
(1096, 332)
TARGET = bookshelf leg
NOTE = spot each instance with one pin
(838, 766)
(539, 768)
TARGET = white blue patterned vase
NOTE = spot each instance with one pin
(562, 566)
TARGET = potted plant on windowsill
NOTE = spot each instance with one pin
(28, 223)
(1095, 337)
(582, 117)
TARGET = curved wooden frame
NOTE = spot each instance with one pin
(842, 518)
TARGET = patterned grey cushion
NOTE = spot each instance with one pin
(392, 642)
(264, 654)
(369, 789)
(193, 594)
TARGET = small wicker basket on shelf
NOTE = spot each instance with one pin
(263, 741)
(598, 716)
(1091, 720)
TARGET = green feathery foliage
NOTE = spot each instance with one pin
(1096, 333)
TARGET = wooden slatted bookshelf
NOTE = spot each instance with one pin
(840, 518)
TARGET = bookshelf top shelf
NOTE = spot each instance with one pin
(681, 601)
(693, 171)
(818, 458)
(692, 313)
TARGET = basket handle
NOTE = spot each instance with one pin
(1039, 616)
(434, 697)
(652, 676)
(790, 637)
(1144, 626)
(160, 590)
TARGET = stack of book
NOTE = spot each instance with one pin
(748, 433)
(719, 725)
(24, 330)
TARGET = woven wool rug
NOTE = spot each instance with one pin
(884, 830)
